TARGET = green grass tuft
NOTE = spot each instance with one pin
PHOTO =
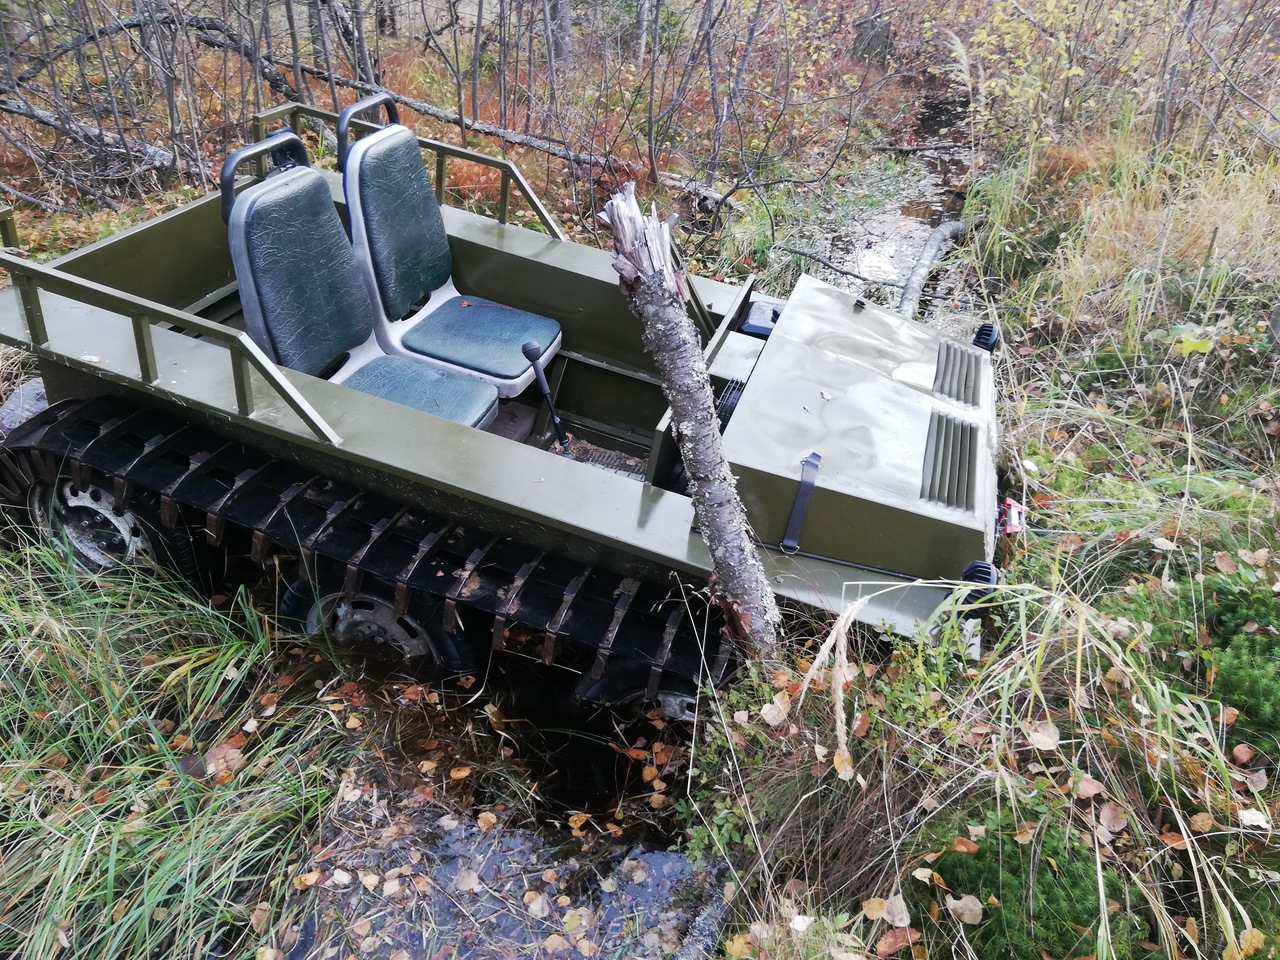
(149, 803)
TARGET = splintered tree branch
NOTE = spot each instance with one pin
(656, 293)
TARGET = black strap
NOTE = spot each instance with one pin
(808, 477)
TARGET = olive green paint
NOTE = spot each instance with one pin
(841, 378)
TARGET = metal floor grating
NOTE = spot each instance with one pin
(615, 461)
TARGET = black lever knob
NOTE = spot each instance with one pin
(532, 351)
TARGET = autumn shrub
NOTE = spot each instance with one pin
(1154, 248)
(1038, 71)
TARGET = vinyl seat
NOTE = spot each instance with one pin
(307, 305)
(399, 238)
(406, 381)
(477, 334)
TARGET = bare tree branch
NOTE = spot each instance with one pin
(36, 201)
(211, 31)
(153, 157)
(554, 148)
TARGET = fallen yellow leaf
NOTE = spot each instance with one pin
(556, 944)
(1173, 840)
(1251, 941)
(305, 880)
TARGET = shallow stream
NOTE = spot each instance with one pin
(921, 177)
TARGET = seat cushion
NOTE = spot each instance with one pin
(480, 335)
(396, 226)
(404, 380)
(305, 301)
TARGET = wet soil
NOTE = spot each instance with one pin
(932, 159)
(403, 876)
(493, 823)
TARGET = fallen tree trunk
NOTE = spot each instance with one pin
(152, 158)
(656, 294)
(912, 290)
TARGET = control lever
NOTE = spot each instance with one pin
(532, 351)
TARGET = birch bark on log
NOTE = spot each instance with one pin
(656, 293)
(913, 289)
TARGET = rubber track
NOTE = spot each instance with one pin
(622, 634)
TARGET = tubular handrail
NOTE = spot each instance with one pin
(144, 316)
(8, 229)
(292, 114)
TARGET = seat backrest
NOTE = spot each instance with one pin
(396, 228)
(305, 300)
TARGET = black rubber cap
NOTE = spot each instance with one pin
(532, 350)
(987, 337)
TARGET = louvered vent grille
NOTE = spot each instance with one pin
(727, 401)
(959, 374)
(949, 462)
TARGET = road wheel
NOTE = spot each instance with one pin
(367, 623)
(100, 534)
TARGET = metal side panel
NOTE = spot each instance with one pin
(504, 479)
(173, 259)
(900, 603)
(12, 329)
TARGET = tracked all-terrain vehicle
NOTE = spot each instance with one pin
(335, 374)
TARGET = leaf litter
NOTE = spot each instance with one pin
(448, 869)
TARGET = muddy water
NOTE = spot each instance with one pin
(494, 822)
(882, 247)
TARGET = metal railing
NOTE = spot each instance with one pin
(31, 279)
(264, 122)
(8, 229)
(294, 113)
